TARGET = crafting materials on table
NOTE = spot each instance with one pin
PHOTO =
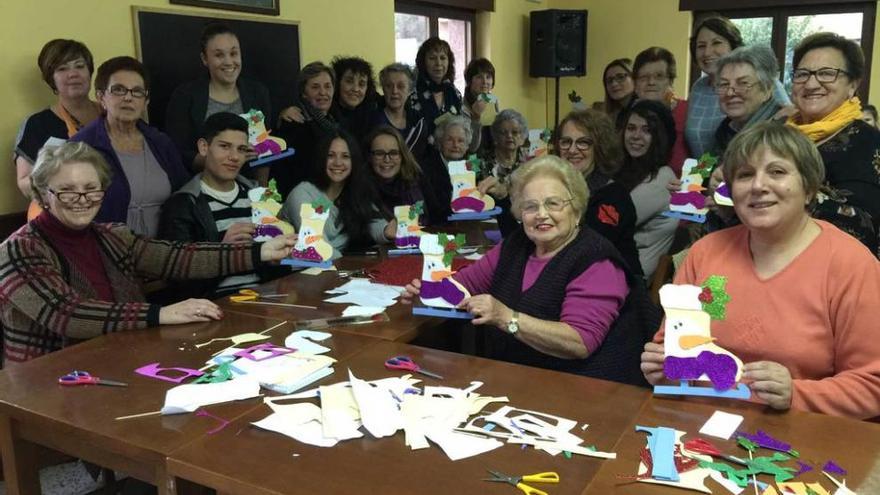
(407, 364)
(339, 321)
(252, 295)
(517, 481)
(75, 378)
(277, 304)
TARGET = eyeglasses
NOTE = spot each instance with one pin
(70, 197)
(120, 90)
(616, 78)
(823, 75)
(739, 89)
(656, 77)
(553, 204)
(583, 144)
(382, 154)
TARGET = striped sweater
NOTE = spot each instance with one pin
(47, 304)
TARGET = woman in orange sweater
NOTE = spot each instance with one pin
(804, 296)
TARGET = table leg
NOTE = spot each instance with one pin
(20, 461)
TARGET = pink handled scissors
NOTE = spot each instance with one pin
(84, 378)
(407, 364)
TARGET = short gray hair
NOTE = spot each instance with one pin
(397, 67)
(760, 57)
(447, 123)
(554, 167)
(52, 158)
(509, 114)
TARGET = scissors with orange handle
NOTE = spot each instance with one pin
(517, 481)
(251, 295)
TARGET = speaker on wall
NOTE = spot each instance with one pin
(558, 43)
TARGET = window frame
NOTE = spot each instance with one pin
(780, 11)
(434, 12)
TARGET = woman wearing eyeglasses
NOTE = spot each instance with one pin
(828, 69)
(68, 278)
(587, 140)
(509, 133)
(554, 294)
(619, 87)
(398, 177)
(146, 166)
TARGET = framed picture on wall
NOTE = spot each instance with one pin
(267, 7)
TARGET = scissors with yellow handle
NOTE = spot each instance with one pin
(251, 295)
(517, 481)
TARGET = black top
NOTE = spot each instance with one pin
(34, 132)
(188, 106)
(612, 214)
(437, 179)
(852, 164)
(303, 138)
(618, 358)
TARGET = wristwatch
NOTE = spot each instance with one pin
(513, 324)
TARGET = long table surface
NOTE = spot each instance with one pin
(80, 421)
(242, 459)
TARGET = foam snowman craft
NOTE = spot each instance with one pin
(408, 229)
(439, 289)
(310, 243)
(265, 205)
(466, 198)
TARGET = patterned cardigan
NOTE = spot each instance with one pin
(46, 303)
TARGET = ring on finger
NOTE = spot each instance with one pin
(198, 312)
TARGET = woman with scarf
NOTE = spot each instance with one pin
(67, 67)
(828, 69)
(316, 85)
(435, 92)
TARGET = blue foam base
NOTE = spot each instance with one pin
(271, 158)
(306, 264)
(740, 392)
(403, 251)
(442, 312)
(481, 215)
(690, 217)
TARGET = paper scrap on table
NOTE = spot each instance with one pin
(474, 256)
(304, 341)
(302, 422)
(800, 488)
(316, 270)
(188, 398)
(726, 483)
(362, 292)
(461, 445)
(378, 407)
(721, 425)
(287, 373)
(362, 310)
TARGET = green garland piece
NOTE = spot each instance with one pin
(271, 192)
(417, 209)
(717, 307)
(322, 204)
(475, 163)
(705, 165)
(747, 444)
(222, 373)
(448, 254)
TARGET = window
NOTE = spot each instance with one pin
(414, 22)
(782, 28)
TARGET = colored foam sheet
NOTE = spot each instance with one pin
(153, 370)
(442, 313)
(661, 444)
(267, 160)
(403, 251)
(690, 217)
(721, 425)
(262, 352)
(307, 264)
(740, 392)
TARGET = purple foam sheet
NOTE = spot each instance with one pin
(407, 241)
(153, 370)
(719, 368)
(272, 350)
(267, 230)
(688, 198)
(723, 190)
(444, 289)
(763, 439)
(831, 467)
(309, 254)
(803, 467)
(494, 236)
(467, 203)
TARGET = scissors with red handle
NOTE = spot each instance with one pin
(407, 364)
(84, 378)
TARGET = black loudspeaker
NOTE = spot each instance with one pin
(558, 43)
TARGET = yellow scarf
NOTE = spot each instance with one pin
(841, 117)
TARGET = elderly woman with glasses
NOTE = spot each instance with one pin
(586, 139)
(509, 133)
(564, 299)
(68, 278)
(144, 161)
(397, 86)
(452, 137)
(828, 70)
(804, 297)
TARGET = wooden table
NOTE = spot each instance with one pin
(37, 412)
(242, 459)
(854, 445)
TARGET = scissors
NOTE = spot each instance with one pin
(405, 363)
(251, 295)
(84, 378)
(517, 481)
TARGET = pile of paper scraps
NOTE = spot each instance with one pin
(368, 298)
(439, 414)
(667, 460)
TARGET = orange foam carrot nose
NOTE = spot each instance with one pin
(690, 341)
(696, 188)
(466, 192)
(440, 275)
(414, 228)
(266, 220)
(311, 239)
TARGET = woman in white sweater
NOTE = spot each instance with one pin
(337, 181)
(648, 136)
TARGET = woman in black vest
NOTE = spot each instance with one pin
(565, 299)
